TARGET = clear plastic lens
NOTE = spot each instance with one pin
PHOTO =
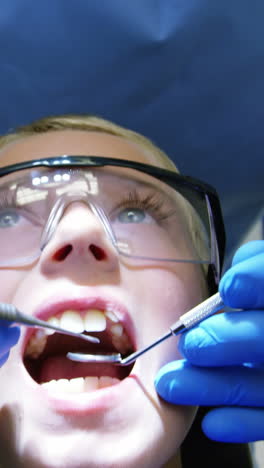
(143, 217)
(8, 219)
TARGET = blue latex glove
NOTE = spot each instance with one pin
(224, 365)
(8, 337)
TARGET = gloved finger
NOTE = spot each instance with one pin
(237, 425)
(248, 250)
(226, 339)
(8, 337)
(242, 285)
(181, 383)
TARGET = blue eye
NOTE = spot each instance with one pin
(132, 215)
(8, 219)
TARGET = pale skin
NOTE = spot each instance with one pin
(127, 423)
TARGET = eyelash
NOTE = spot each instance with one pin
(7, 199)
(150, 203)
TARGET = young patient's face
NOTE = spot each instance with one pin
(124, 424)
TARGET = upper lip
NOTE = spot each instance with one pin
(55, 306)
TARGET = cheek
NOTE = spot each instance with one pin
(159, 298)
(167, 294)
(10, 281)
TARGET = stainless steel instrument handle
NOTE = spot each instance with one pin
(194, 316)
(12, 314)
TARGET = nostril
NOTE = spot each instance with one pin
(62, 253)
(97, 252)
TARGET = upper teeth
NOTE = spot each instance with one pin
(92, 320)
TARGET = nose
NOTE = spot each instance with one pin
(79, 248)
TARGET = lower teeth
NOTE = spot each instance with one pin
(80, 384)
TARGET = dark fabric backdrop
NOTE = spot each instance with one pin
(188, 74)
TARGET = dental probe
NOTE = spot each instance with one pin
(12, 314)
(188, 320)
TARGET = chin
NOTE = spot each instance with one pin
(120, 425)
(78, 450)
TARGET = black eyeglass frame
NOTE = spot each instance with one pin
(179, 182)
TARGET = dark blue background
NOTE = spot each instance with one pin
(188, 74)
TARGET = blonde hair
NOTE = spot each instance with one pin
(93, 123)
(90, 123)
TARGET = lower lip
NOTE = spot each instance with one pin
(97, 402)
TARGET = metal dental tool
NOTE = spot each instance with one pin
(188, 320)
(12, 314)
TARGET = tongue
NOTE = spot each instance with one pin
(59, 367)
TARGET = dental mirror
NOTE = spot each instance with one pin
(188, 320)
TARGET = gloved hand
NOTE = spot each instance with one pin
(8, 337)
(224, 365)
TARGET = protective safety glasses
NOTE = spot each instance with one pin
(147, 213)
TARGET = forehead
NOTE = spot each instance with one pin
(74, 142)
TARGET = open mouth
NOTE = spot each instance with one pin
(45, 352)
